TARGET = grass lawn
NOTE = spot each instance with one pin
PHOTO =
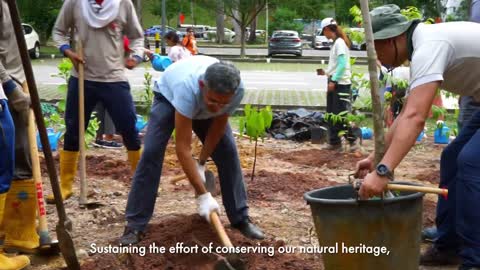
(290, 67)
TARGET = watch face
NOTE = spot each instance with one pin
(382, 169)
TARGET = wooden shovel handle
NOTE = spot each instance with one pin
(178, 178)
(440, 191)
(81, 125)
(217, 224)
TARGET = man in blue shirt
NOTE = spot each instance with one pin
(199, 94)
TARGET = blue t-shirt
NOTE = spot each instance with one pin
(179, 84)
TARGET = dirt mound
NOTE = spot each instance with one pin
(102, 166)
(432, 176)
(194, 231)
(320, 157)
(271, 186)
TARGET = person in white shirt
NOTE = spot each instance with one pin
(441, 56)
(339, 84)
(177, 50)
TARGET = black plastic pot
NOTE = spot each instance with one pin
(318, 135)
(340, 219)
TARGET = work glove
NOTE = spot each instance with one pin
(20, 102)
(201, 171)
(207, 204)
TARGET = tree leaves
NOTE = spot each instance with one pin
(255, 122)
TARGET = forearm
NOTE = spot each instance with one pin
(215, 132)
(341, 67)
(400, 143)
(184, 155)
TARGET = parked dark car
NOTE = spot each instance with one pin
(150, 32)
(285, 42)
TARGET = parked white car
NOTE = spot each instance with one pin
(32, 39)
(321, 41)
(212, 35)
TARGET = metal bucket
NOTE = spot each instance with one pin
(343, 221)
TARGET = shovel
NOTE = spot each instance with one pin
(401, 187)
(47, 245)
(81, 133)
(64, 224)
(231, 261)
(209, 181)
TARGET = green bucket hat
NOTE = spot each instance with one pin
(388, 22)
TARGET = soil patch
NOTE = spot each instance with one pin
(271, 186)
(429, 212)
(321, 157)
(102, 166)
(432, 176)
(192, 231)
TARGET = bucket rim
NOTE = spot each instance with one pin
(307, 196)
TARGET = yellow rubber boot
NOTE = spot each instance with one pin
(3, 196)
(133, 158)
(20, 217)
(13, 263)
(68, 169)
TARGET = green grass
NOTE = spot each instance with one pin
(49, 50)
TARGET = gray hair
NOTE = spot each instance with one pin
(222, 77)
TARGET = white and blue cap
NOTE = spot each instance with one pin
(326, 22)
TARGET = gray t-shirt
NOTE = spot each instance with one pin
(179, 84)
(446, 52)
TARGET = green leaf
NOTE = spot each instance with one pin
(241, 125)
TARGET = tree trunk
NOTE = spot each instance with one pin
(238, 31)
(374, 84)
(242, 42)
(220, 14)
(253, 27)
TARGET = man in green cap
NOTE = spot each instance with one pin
(441, 56)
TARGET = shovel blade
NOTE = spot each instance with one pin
(67, 247)
(210, 182)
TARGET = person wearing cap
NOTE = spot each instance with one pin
(197, 93)
(101, 26)
(468, 106)
(441, 56)
(339, 83)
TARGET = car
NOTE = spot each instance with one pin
(211, 34)
(200, 30)
(152, 31)
(285, 42)
(260, 33)
(32, 39)
(322, 42)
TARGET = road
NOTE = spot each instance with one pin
(263, 52)
(253, 80)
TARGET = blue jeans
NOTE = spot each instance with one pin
(7, 147)
(118, 102)
(141, 200)
(458, 218)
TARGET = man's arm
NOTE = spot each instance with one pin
(134, 33)
(64, 22)
(409, 124)
(183, 141)
(215, 132)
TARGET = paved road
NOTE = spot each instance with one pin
(263, 52)
(254, 80)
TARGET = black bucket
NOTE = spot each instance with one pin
(358, 229)
(318, 135)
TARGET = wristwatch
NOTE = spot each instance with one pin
(384, 171)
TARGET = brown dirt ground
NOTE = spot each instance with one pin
(194, 231)
(285, 170)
